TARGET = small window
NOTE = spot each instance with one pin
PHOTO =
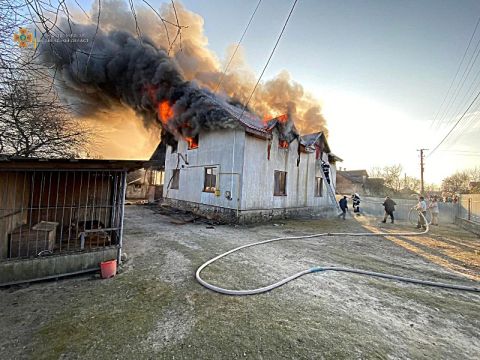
(283, 144)
(318, 186)
(280, 188)
(175, 179)
(210, 182)
(192, 142)
(137, 186)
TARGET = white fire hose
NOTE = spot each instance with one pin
(322, 269)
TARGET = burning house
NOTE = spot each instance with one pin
(251, 171)
(219, 156)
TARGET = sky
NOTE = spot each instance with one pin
(380, 69)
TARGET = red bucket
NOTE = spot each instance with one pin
(108, 269)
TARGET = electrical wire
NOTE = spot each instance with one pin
(459, 87)
(277, 284)
(236, 48)
(269, 58)
(456, 74)
(454, 126)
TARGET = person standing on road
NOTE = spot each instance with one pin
(433, 206)
(389, 206)
(422, 210)
(344, 206)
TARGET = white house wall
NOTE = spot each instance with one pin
(215, 148)
(258, 176)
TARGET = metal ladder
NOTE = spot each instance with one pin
(330, 192)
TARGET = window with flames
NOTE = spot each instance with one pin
(192, 142)
(210, 179)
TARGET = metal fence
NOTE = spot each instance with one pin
(58, 211)
(469, 207)
(373, 206)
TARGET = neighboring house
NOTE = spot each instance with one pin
(358, 181)
(144, 186)
(59, 216)
(253, 171)
(474, 187)
(352, 181)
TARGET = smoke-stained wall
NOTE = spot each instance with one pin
(245, 171)
(223, 150)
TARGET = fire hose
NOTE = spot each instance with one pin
(277, 284)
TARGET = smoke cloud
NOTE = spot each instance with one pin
(122, 71)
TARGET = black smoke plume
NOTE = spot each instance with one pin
(116, 67)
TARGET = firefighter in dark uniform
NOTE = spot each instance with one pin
(326, 170)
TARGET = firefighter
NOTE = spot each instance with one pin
(356, 203)
(326, 170)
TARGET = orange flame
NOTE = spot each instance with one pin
(282, 118)
(283, 144)
(165, 111)
(192, 142)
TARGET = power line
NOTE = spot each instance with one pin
(270, 57)
(454, 126)
(458, 70)
(236, 48)
(466, 73)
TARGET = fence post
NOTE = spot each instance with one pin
(469, 208)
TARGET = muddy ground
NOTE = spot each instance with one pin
(154, 309)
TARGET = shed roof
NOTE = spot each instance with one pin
(24, 163)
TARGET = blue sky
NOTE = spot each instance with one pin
(380, 69)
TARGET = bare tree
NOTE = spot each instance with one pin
(459, 182)
(33, 123)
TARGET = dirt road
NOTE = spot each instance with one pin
(154, 309)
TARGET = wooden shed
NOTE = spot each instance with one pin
(60, 216)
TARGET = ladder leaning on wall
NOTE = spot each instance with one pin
(331, 192)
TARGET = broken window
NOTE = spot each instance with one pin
(283, 144)
(280, 188)
(318, 186)
(210, 182)
(175, 179)
(192, 142)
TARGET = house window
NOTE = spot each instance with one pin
(192, 142)
(280, 188)
(175, 179)
(283, 144)
(318, 187)
(210, 181)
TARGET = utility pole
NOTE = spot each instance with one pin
(422, 168)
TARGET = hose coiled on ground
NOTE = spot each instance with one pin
(322, 269)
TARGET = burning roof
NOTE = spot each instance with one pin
(121, 68)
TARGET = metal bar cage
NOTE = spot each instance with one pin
(44, 212)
